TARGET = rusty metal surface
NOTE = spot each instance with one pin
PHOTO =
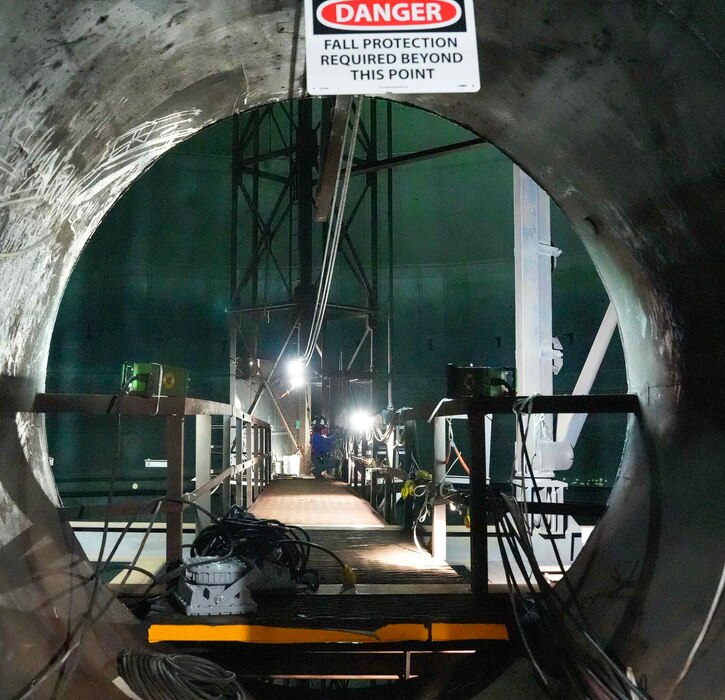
(616, 108)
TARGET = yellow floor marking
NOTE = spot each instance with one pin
(261, 634)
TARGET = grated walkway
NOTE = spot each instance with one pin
(310, 502)
(347, 525)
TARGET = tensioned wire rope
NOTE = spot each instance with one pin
(333, 239)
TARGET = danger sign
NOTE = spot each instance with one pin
(390, 46)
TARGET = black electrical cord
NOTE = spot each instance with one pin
(512, 588)
(572, 643)
(75, 637)
(155, 676)
(262, 540)
(610, 668)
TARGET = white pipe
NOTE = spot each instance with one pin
(570, 425)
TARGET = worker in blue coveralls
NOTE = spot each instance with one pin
(322, 445)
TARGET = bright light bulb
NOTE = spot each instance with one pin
(296, 373)
(360, 422)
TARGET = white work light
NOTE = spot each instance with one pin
(296, 373)
(360, 422)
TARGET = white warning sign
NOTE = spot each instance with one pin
(390, 46)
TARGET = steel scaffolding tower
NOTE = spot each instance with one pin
(283, 172)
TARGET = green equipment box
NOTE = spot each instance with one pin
(154, 379)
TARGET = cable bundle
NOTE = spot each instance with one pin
(587, 669)
(176, 677)
(258, 540)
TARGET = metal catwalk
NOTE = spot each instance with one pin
(310, 502)
(346, 524)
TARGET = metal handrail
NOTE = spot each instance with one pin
(228, 473)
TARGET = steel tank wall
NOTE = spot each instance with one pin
(616, 109)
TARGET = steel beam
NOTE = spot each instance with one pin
(202, 465)
(249, 473)
(330, 168)
(391, 209)
(559, 403)
(532, 265)
(396, 161)
(479, 498)
(226, 461)
(174, 487)
(440, 459)
(238, 461)
(113, 404)
(269, 377)
(569, 427)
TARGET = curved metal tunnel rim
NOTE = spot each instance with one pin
(663, 384)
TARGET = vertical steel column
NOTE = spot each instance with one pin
(305, 148)
(305, 161)
(238, 460)
(363, 467)
(234, 219)
(479, 495)
(202, 466)
(227, 461)
(248, 475)
(233, 279)
(268, 452)
(411, 440)
(440, 459)
(389, 494)
(174, 487)
(390, 255)
(256, 469)
(373, 183)
(255, 218)
(354, 473)
(532, 261)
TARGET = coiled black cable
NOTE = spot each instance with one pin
(154, 676)
(261, 540)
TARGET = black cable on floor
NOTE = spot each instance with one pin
(154, 676)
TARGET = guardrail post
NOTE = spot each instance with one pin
(202, 467)
(248, 473)
(410, 443)
(174, 487)
(479, 491)
(387, 491)
(226, 463)
(440, 459)
(238, 498)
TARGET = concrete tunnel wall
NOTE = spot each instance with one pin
(616, 108)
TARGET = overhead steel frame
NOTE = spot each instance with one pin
(303, 150)
(294, 159)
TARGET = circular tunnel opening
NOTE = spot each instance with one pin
(634, 162)
(153, 285)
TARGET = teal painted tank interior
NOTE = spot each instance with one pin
(153, 285)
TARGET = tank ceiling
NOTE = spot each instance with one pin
(617, 109)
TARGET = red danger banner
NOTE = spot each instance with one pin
(390, 46)
(378, 15)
